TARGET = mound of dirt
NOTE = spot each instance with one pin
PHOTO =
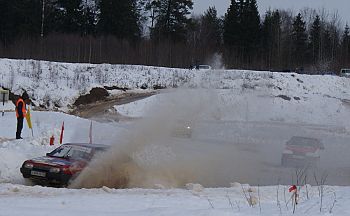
(116, 88)
(96, 94)
(284, 97)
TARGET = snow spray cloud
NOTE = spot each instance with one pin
(233, 142)
(219, 152)
(147, 155)
(216, 62)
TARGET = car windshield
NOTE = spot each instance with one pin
(204, 67)
(303, 141)
(73, 152)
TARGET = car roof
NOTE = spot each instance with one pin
(88, 145)
(304, 141)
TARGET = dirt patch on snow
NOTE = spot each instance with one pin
(96, 94)
(284, 97)
(102, 109)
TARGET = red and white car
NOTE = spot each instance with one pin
(302, 152)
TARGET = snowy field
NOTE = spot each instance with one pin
(240, 122)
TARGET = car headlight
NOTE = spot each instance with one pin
(312, 154)
(28, 165)
(289, 152)
(55, 170)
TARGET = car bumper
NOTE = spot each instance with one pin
(51, 178)
(299, 161)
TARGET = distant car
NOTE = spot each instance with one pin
(204, 67)
(301, 152)
(183, 129)
(201, 67)
(61, 165)
(345, 72)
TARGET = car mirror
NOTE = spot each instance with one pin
(48, 154)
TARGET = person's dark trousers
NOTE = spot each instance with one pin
(19, 127)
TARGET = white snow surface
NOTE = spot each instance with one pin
(24, 200)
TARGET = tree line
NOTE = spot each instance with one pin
(164, 33)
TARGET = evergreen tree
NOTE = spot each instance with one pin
(271, 38)
(250, 22)
(119, 18)
(345, 44)
(211, 28)
(315, 39)
(153, 7)
(299, 39)
(242, 29)
(327, 45)
(70, 17)
(19, 18)
(346, 36)
(8, 20)
(172, 20)
(88, 20)
(232, 27)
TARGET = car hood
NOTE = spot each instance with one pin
(52, 161)
(302, 149)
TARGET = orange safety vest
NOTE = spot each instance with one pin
(24, 111)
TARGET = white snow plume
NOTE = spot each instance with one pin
(147, 156)
(216, 62)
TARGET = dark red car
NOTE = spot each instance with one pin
(61, 165)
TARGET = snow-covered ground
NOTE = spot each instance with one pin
(240, 121)
(194, 200)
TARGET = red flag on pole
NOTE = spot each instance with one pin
(90, 133)
(61, 137)
(293, 188)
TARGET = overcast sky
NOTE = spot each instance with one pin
(342, 6)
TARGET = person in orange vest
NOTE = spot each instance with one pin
(21, 111)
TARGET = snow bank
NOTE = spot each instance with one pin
(58, 85)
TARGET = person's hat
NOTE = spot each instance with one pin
(25, 96)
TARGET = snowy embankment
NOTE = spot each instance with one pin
(58, 85)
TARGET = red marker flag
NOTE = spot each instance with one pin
(293, 188)
(61, 136)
